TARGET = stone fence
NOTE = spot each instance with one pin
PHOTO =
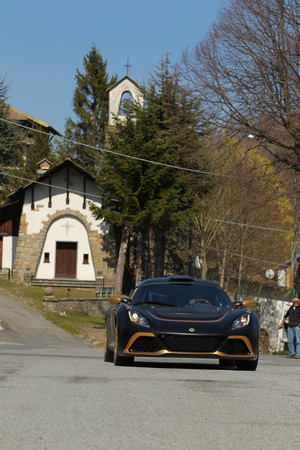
(93, 307)
(271, 303)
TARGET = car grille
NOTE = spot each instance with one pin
(143, 344)
(176, 343)
(236, 347)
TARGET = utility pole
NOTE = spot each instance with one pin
(295, 236)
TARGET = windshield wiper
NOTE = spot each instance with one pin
(155, 302)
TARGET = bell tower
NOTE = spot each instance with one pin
(124, 90)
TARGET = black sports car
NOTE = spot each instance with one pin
(179, 316)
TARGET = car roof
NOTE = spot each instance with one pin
(177, 279)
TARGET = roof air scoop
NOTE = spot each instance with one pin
(181, 279)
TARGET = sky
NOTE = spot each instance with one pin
(43, 43)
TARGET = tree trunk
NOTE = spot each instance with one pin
(241, 265)
(224, 261)
(148, 265)
(138, 272)
(121, 261)
(159, 254)
(191, 262)
(203, 257)
(222, 277)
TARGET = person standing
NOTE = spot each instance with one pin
(293, 330)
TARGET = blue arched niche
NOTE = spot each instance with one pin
(125, 101)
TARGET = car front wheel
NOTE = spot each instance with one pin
(121, 360)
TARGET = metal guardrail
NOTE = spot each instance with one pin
(104, 291)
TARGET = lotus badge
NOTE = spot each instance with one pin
(192, 330)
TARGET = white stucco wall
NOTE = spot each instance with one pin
(115, 95)
(41, 198)
(9, 251)
(66, 229)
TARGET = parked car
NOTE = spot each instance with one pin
(180, 316)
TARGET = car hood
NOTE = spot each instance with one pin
(179, 320)
(179, 314)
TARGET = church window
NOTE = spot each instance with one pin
(125, 103)
(85, 258)
(46, 257)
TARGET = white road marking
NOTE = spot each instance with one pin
(10, 343)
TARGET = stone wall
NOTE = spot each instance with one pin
(93, 307)
(272, 301)
(270, 317)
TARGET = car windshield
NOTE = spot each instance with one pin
(198, 296)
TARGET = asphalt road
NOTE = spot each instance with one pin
(57, 393)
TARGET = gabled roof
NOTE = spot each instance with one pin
(66, 163)
(121, 81)
(16, 114)
(45, 161)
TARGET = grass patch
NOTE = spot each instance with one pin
(73, 323)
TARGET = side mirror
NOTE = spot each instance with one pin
(115, 299)
(237, 304)
(244, 304)
(248, 303)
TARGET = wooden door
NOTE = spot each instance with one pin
(66, 256)
(1, 251)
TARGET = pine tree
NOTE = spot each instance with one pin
(10, 136)
(143, 195)
(90, 105)
(38, 147)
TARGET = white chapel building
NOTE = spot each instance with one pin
(47, 228)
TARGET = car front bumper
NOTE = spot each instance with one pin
(237, 347)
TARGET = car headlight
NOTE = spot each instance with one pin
(138, 318)
(242, 321)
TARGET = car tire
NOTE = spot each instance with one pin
(121, 360)
(226, 363)
(108, 354)
(246, 365)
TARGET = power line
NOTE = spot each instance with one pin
(247, 257)
(205, 218)
(247, 225)
(99, 197)
(143, 160)
(134, 157)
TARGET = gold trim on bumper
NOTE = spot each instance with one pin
(164, 352)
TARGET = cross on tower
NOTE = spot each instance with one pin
(127, 65)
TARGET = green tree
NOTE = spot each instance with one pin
(10, 136)
(139, 195)
(90, 105)
(37, 147)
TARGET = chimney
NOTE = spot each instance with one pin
(44, 166)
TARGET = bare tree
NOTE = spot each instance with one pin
(232, 248)
(121, 260)
(246, 72)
